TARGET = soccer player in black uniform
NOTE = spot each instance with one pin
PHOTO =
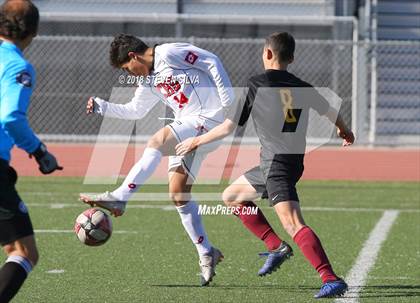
(18, 26)
(279, 103)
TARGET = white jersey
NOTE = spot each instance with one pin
(188, 79)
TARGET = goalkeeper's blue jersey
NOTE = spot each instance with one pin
(17, 80)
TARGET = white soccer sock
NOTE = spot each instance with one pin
(25, 263)
(194, 226)
(138, 174)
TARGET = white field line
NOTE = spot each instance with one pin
(392, 278)
(55, 271)
(171, 207)
(80, 204)
(366, 259)
(358, 209)
(69, 231)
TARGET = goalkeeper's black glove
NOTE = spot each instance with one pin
(46, 161)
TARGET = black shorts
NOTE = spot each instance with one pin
(276, 180)
(14, 218)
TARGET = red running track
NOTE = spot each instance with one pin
(351, 163)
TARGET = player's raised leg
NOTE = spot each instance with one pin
(180, 184)
(241, 193)
(160, 144)
(290, 215)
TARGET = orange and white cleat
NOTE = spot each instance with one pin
(106, 201)
(208, 265)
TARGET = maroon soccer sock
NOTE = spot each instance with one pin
(311, 247)
(259, 226)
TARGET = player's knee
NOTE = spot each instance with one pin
(28, 253)
(288, 223)
(8, 249)
(290, 228)
(229, 197)
(158, 139)
(173, 196)
(154, 143)
(33, 256)
(179, 198)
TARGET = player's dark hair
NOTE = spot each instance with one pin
(122, 45)
(282, 44)
(18, 19)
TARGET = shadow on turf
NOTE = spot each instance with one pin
(389, 291)
(297, 288)
(377, 291)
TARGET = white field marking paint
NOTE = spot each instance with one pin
(69, 231)
(358, 209)
(170, 207)
(57, 205)
(80, 204)
(366, 259)
(392, 278)
(55, 271)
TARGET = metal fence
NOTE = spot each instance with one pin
(70, 69)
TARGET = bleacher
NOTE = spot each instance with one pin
(204, 7)
(150, 18)
(398, 20)
(398, 69)
(263, 7)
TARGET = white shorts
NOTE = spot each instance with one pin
(185, 128)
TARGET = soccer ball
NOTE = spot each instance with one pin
(93, 227)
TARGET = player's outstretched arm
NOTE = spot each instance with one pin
(127, 111)
(217, 133)
(142, 102)
(343, 131)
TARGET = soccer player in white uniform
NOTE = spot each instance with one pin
(198, 105)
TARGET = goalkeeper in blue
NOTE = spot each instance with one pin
(18, 26)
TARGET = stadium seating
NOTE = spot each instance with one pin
(215, 7)
(398, 110)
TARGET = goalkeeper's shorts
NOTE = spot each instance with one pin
(14, 218)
